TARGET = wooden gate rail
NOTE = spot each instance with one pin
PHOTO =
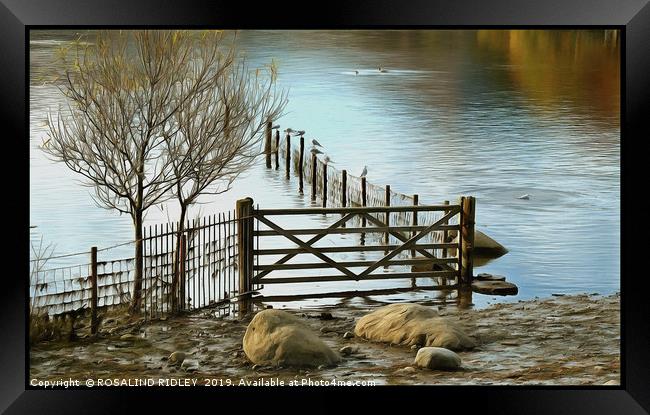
(408, 237)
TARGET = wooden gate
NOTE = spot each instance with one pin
(402, 245)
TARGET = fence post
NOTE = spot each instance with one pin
(267, 144)
(387, 203)
(288, 156)
(416, 200)
(301, 161)
(324, 184)
(277, 149)
(181, 271)
(344, 188)
(93, 282)
(468, 205)
(244, 209)
(314, 173)
(363, 198)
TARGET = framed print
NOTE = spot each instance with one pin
(396, 202)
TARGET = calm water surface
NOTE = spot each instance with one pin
(494, 114)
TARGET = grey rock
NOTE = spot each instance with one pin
(437, 358)
(176, 358)
(346, 350)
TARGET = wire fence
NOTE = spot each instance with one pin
(203, 253)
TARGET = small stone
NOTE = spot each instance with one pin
(128, 336)
(348, 335)
(346, 350)
(437, 358)
(321, 367)
(255, 367)
(415, 347)
(326, 316)
(176, 358)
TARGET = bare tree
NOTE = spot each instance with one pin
(124, 90)
(217, 134)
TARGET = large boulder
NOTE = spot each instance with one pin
(275, 337)
(437, 358)
(412, 324)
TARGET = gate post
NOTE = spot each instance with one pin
(467, 214)
(245, 219)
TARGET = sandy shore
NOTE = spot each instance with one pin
(563, 340)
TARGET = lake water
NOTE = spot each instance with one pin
(493, 114)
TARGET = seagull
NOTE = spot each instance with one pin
(524, 197)
(288, 131)
(275, 127)
(315, 151)
(365, 171)
(356, 72)
(300, 132)
(315, 143)
(327, 160)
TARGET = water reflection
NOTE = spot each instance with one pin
(491, 113)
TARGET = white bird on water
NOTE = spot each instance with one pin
(315, 143)
(524, 197)
(365, 171)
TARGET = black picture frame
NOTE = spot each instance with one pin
(631, 16)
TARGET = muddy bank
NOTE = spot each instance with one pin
(563, 340)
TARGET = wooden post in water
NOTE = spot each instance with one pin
(416, 201)
(181, 271)
(468, 206)
(363, 198)
(301, 161)
(288, 156)
(387, 203)
(267, 144)
(445, 234)
(244, 216)
(93, 282)
(314, 173)
(344, 188)
(324, 184)
(277, 149)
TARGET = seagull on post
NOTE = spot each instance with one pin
(299, 132)
(327, 160)
(275, 127)
(315, 143)
(365, 171)
(314, 150)
(288, 131)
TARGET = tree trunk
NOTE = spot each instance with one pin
(178, 259)
(137, 284)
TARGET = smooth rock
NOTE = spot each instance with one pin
(412, 324)
(348, 335)
(407, 369)
(489, 277)
(437, 358)
(346, 350)
(494, 287)
(176, 358)
(276, 337)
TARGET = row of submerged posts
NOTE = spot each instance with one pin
(337, 188)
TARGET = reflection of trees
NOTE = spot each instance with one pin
(554, 67)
